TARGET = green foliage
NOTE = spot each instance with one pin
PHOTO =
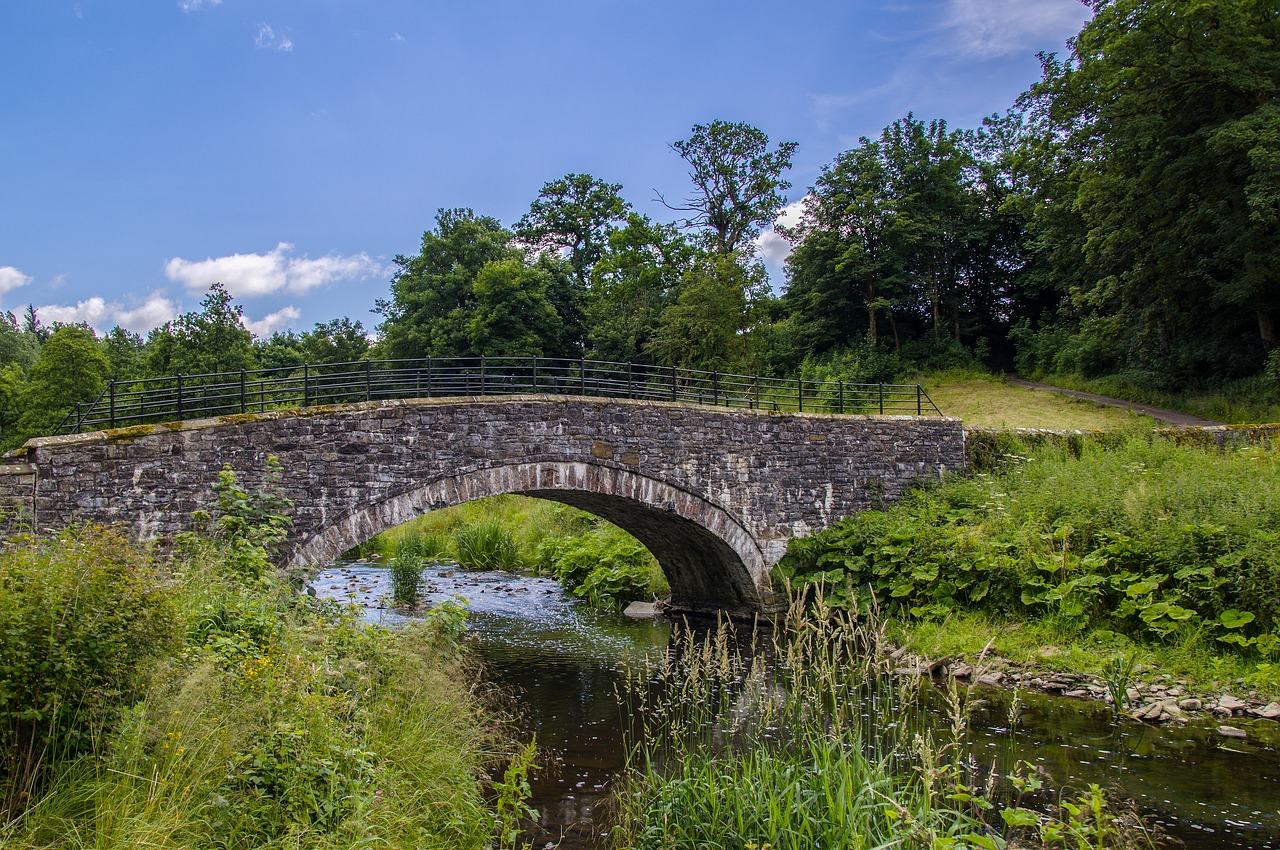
(577, 214)
(406, 575)
(81, 615)
(1152, 160)
(200, 343)
(1135, 534)
(606, 566)
(702, 329)
(268, 719)
(486, 546)
(737, 181)
(70, 368)
(823, 750)
(252, 523)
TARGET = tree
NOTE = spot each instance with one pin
(126, 353)
(1166, 121)
(16, 346)
(200, 343)
(635, 280)
(71, 368)
(737, 181)
(574, 214)
(703, 329)
(433, 293)
(513, 316)
(31, 325)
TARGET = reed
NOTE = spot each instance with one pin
(813, 742)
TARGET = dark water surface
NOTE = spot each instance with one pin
(563, 660)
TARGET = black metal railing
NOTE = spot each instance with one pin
(180, 397)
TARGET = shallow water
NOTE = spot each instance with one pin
(563, 661)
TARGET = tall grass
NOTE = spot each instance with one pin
(1161, 541)
(270, 720)
(819, 748)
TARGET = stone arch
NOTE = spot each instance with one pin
(711, 561)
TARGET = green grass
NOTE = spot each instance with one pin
(823, 748)
(594, 558)
(1125, 540)
(984, 401)
(267, 720)
(1244, 402)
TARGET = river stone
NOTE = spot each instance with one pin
(641, 610)
(961, 671)
(1230, 703)
(1190, 704)
(1151, 711)
(994, 678)
(1270, 711)
(1232, 732)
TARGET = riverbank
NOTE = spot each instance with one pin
(196, 701)
(1071, 555)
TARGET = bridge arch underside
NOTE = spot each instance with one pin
(711, 561)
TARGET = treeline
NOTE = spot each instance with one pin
(1119, 221)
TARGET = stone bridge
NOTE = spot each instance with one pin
(714, 493)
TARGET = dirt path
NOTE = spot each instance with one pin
(1168, 417)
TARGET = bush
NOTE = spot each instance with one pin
(80, 615)
(1137, 534)
(606, 566)
(486, 546)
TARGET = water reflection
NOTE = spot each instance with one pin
(563, 660)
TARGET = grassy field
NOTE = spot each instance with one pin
(988, 402)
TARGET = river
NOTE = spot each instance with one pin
(562, 660)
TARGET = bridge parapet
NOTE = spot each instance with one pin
(715, 493)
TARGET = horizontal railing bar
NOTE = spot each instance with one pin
(218, 393)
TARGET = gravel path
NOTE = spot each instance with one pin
(1168, 417)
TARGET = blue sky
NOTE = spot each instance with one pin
(292, 148)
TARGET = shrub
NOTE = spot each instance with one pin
(80, 615)
(486, 546)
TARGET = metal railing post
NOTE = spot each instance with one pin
(111, 388)
(582, 373)
(428, 376)
(535, 375)
(481, 374)
(800, 393)
(179, 395)
(882, 398)
(841, 396)
(368, 380)
(919, 402)
(631, 393)
(715, 389)
(244, 402)
(673, 383)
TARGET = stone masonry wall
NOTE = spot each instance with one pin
(776, 475)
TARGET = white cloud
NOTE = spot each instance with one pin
(268, 39)
(101, 314)
(197, 5)
(990, 28)
(151, 313)
(253, 275)
(11, 279)
(397, 38)
(773, 247)
(91, 311)
(272, 322)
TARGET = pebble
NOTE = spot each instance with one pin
(1232, 732)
